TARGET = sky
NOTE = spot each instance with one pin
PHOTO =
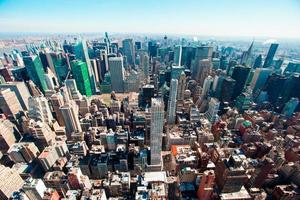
(251, 18)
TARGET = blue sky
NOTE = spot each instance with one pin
(271, 18)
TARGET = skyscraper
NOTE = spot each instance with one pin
(117, 73)
(259, 79)
(213, 108)
(227, 88)
(257, 62)
(81, 52)
(246, 55)
(71, 118)
(240, 75)
(203, 52)
(172, 101)
(181, 86)
(57, 101)
(35, 71)
(145, 65)
(206, 86)
(204, 70)
(39, 110)
(275, 86)
(270, 56)
(8, 133)
(129, 51)
(177, 55)
(81, 76)
(156, 130)
(21, 91)
(9, 103)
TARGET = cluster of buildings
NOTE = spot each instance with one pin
(148, 119)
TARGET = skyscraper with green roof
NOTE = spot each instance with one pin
(81, 76)
(35, 71)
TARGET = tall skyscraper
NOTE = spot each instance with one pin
(240, 75)
(129, 51)
(204, 70)
(156, 130)
(206, 86)
(57, 101)
(226, 89)
(73, 92)
(35, 71)
(81, 75)
(145, 65)
(21, 91)
(9, 103)
(39, 110)
(81, 52)
(177, 55)
(260, 78)
(213, 108)
(203, 52)
(117, 73)
(257, 62)
(246, 55)
(181, 86)
(71, 118)
(270, 56)
(172, 101)
(275, 86)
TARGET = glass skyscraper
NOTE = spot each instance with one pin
(36, 71)
(81, 76)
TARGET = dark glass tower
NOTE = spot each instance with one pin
(240, 74)
(270, 56)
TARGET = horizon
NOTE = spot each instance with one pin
(217, 18)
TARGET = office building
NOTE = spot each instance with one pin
(259, 78)
(23, 152)
(172, 101)
(270, 56)
(129, 51)
(290, 107)
(9, 103)
(181, 86)
(206, 86)
(11, 182)
(213, 109)
(8, 134)
(21, 91)
(81, 75)
(156, 130)
(57, 101)
(117, 73)
(35, 71)
(177, 55)
(71, 118)
(81, 52)
(240, 75)
(258, 62)
(34, 188)
(39, 110)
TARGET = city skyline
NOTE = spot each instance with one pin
(213, 18)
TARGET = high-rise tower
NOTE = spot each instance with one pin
(156, 130)
(172, 101)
